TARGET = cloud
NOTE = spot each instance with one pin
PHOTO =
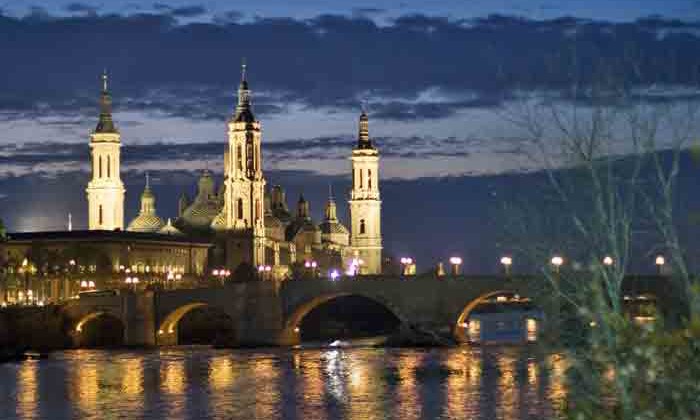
(328, 62)
(81, 8)
(188, 11)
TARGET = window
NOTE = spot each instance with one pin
(100, 167)
(369, 179)
(239, 158)
(353, 178)
(240, 208)
(361, 183)
(100, 215)
(109, 166)
(362, 226)
(257, 210)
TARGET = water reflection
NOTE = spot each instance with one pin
(28, 390)
(364, 384)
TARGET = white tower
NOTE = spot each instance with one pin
(244, 183)
(365, 205)
(105, 191)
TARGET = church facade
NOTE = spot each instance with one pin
(250, 222)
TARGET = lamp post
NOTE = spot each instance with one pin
(25, 270)
(221, 274)
(264, 271)
(131, 282)
(456, 264)
(557, 262)
(406, 264)
(311, 266)
(660, 262)
(506, 262)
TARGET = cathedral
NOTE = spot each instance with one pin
(246, 220)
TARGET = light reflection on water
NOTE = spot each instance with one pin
(352, 383)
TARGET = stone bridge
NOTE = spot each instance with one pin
(269, 313)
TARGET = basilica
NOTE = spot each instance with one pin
(246, 220)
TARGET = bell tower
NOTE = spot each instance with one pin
(244, 183)
(105, 191)
(365, 204)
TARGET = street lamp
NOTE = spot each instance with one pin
(132, 282)
(334, 275)
(456, 263)
(557, 262)
(264, 271)
(311, 266)
(506, 261)
(221, 274)
(660, 262)
(406, 263)
(608, 261)
(25, 270)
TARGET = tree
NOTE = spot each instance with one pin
(609, 191)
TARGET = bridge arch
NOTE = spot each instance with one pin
(291, 334)
(80, 336)
(460, 332)
(167, 333)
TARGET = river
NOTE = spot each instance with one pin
(332, 383)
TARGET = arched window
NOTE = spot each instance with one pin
(109, 166)
(362, 226)
(100, 167)
(99, 216)
(240, 208)
(369, 179)
(361, 182)
(239, 158)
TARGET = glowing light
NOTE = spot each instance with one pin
(334, 275)
(557, 261)
(608, 260)
(660, 260)
(507, 261)
(296, 330)
(455, 260)
(531, 329)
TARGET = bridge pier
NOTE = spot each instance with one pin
(138, 318)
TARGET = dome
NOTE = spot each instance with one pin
(145, 223)
(333, 228)
(201, 213)
(219, 222)
(169, 229)
(147, 220)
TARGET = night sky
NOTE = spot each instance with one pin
(438, 79)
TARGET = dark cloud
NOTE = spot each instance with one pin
(188, 11)
(328, 61)
(232, 16)
(81, 8)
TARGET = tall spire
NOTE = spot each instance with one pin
(363, 140)
(105, 123)
(244, 112)
(331, 210)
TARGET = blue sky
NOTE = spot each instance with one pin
(440, 80)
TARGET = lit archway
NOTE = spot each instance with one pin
(291, 333)
(168, 330)
(468, 330)
(99, 329)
